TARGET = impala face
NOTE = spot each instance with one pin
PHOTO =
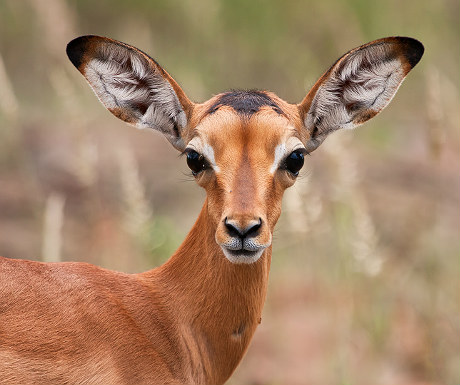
(245, 152)
(244, 147)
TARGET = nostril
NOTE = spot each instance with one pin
(253, 229)
(234, 230)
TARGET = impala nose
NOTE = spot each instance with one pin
(236, 229)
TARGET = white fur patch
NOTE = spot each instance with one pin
(206, 150)
(283, 149)
(208, 153)
(280, 151)
(248, 258)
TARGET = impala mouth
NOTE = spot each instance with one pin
(242, 255)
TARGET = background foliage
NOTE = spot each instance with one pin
(364, 285)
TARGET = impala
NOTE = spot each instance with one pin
(190, 320)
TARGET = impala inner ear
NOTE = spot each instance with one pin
(132, 86)
(358, 86)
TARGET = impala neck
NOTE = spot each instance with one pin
(218, 304)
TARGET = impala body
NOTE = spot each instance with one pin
(190, 320)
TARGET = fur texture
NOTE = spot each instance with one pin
(190, 320)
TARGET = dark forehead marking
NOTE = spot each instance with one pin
(245, 103)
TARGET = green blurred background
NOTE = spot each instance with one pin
(365, 282)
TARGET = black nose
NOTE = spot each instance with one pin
(250, 230)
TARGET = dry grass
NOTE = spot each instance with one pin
(364, 285)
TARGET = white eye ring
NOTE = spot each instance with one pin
(284, 149)
(199, 146)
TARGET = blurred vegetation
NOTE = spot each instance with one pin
(365, 279)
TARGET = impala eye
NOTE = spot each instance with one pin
(196, 162)
(294, 162)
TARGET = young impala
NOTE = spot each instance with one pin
(189, 321)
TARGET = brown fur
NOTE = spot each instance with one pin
(190, 320)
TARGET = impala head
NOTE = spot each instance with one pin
(244, 147)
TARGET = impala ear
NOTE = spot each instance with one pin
(358, 86)
(132, 86)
